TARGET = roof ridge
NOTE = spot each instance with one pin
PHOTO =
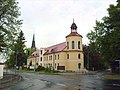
(55, 45)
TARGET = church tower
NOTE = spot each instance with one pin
(33, 42)
(74, 49)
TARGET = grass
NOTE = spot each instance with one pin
(39, 72)
(114, 77)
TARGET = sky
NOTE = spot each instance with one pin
(50, 20)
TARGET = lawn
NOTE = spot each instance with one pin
(115, 77)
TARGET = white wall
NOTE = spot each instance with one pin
(1, 71)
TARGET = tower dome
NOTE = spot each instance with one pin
(73, 27)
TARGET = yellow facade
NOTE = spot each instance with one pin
(66, 56)
(69, 57)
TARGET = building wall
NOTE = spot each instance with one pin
(41, 57)
(75, 39)
(35, 61)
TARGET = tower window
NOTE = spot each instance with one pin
(67, 45)
(73, 46)
(67, 56)
(78, 44)
(41, 51)
(78, 56)
(41, 59)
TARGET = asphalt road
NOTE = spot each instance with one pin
(64, 82)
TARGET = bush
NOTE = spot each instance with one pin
(40, 68)
(48, 69)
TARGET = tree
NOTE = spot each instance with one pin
(105, 38)
(9, 25)
(19, 55)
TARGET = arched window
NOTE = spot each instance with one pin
(78, 44)
(78, 56)
(67, 45)
(73, 46)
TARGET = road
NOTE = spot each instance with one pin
(64, 82)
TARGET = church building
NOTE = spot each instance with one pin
(65, 56)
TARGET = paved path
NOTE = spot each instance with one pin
(64, 82)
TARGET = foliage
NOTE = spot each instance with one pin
(18, 56)
(9, 25)
(30, 51)
(48, 69)
(30, 64)
(92, 59)
(105, 38)
(40, 68)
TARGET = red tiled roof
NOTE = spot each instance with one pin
(73, 34)
(55, 48)
(35, 54)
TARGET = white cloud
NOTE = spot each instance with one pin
(50, 20)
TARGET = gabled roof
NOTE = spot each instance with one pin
(55, 48)
(35, 54)
(73, 34)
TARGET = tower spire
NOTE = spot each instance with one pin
(33, 42)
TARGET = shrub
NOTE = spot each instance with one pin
(40, 68)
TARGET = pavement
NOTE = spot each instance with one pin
(65, 81)
(9, 79)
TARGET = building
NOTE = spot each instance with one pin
(36, 58)
(66, 56)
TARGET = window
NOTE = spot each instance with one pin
(78, 44)
(55, 65)
(51, 57)
(55, 57)
(73, 46)
(67, 56)
(78, 56)
(41, 51)
(58, 56)
(67, 45)
(40, 58)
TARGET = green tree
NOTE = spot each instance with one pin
(105, 38)
(9, 25)
(19, 55)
